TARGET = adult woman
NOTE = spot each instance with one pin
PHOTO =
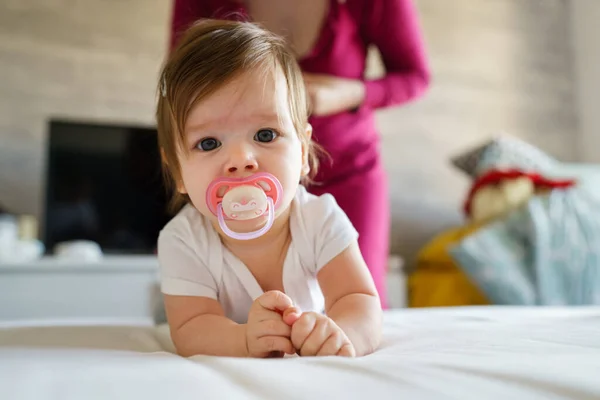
(331, 39)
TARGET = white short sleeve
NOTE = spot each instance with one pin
(183, 271)
(332, 229)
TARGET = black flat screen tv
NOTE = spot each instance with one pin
(103, 183)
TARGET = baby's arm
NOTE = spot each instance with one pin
(196, 319)
(199, 326)
(351, 299)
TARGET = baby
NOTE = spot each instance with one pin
(252, 265)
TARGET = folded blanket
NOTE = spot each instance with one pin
(544, 253)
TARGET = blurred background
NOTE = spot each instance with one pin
(77, 88)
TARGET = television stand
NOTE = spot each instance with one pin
(53, 290)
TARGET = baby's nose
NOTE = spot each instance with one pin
(241, 159)
(247, 167)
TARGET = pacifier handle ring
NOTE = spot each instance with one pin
(247, 235)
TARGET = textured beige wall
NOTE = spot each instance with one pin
(585, 31)
(497, 64)
(95, 60)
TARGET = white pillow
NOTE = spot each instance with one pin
(503, 152)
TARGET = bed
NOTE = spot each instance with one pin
(487, 352)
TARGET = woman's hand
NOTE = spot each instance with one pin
(331, 94)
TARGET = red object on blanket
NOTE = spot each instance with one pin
(495, 176)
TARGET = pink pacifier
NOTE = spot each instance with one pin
(242, 199)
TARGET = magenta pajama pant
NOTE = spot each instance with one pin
(365, 199)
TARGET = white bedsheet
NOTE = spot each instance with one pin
(462, 353)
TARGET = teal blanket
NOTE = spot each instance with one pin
(546, 253)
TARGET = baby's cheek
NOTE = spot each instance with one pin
(198, 197)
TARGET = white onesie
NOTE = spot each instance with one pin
(194, 262)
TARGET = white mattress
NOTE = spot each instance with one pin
(462, 353)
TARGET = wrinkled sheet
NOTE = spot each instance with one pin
(453, 353)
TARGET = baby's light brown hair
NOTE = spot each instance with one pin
(208, 55)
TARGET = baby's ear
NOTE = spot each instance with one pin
(181, 188)
(309, 131)
(305, 169)
(179, 184)
(306, 150)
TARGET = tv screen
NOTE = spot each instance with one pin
(103, 183)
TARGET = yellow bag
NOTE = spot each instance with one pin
(437, 281)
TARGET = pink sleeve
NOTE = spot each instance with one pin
(393, 27)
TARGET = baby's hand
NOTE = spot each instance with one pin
(266, 333)
(315, 334)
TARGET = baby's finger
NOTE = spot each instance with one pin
(347, 350)
(272, 327)
(260, 314)
(274, 300)
(302, 328)
(270, 344)
(317, 337)
(332, 345)
(291, 315)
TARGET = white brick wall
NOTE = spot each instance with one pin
(498, 65)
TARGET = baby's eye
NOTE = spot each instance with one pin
(208, 144)
(265, 135)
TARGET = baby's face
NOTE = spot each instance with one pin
(242, 129)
